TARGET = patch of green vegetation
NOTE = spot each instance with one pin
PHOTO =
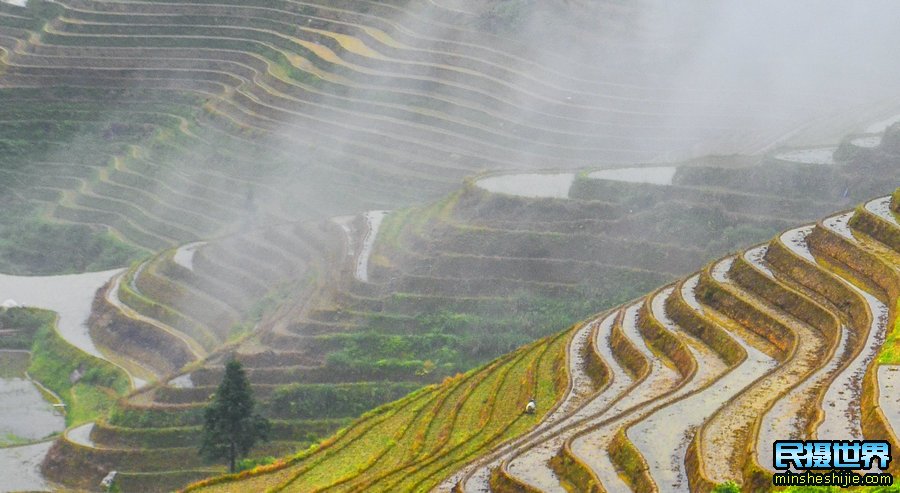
(30, 245)
(392, 227)
(449, 342)
(136, 417)
(302, 401)
(11, 440)
(250, 463)
(55, 363)
(890, 350)
(88, 386)
(727, 487)
(87, 402)
(13, 364)
(835, 489)
(412, 443)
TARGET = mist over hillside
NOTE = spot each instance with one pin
(390, 211)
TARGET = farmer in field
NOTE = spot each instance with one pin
(531, 407)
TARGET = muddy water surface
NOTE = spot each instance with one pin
(591, 447)
(882, 208)
(882, 125)
(24, 414)
(663, 437)
(184, 256)
(533, 185)
(373, 222)
(531, 466)
(844, 395)
(889, 394)
(655, 175)
(727, 432)
(816, 155)
(70, 296)
(21, 467)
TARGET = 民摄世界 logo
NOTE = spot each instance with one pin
(843, 463)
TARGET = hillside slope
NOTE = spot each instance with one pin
(445, 288)
(161, 123)
(216, 145)
(682, 389)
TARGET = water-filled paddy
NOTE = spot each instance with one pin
(184, 256)
(70, 296)
(882, 125)
(535, 185)
(24, 414)
(373, 223)
(882, 208)
(655, 175)
(817, 155)
(868, 141)
(889, 394)
(25, 461)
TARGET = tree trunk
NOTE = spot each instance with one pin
(231, 455)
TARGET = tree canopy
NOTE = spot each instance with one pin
(231, 427)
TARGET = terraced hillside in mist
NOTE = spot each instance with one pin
(680, 390)
(164, 123)
(439, 292)
(235, 158)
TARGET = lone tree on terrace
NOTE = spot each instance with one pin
(231, 428)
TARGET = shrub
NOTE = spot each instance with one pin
(727, 487)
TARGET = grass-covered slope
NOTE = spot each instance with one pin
(413, 443)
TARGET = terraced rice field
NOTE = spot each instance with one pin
(384, 94)
(26, 459)
(684, 389)
(451, 255)
(24, 414)
(204, 145)
(413, 443)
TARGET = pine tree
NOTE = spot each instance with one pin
(231, 428)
